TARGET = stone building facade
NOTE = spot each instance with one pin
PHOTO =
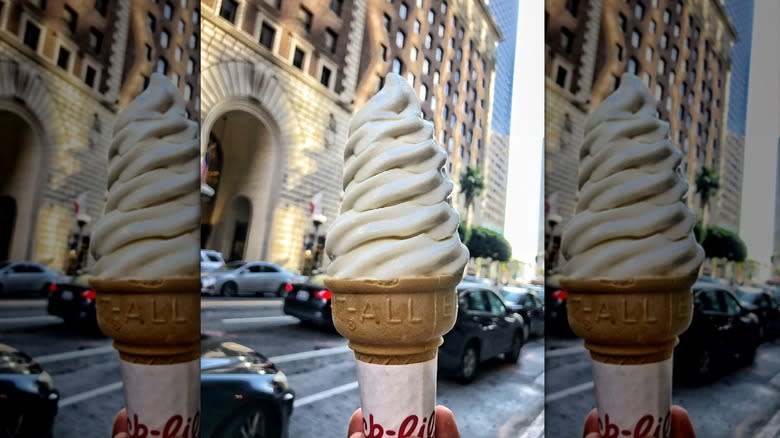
(277, 89)
(447, 51)
(493, 201)
(60, 74)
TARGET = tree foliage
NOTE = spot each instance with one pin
(707, 184)
(472, 183)
(719, 242)
(488, 244)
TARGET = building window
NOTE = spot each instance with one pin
(178, 53)
(195, 17)
(428, 41)
(190, 66)
(187, 92)
(383, 52)
(667, 16)
(619, 52)
(32, 35)
(168, 11)
(410, 79)
(676, 32)
(636, 38)
(330, 40)
(652, 26)
(175, 78)
(443, 8)
(649, 54)
(560, 76)
(403, 11)
(162, 65)
(413, 54)
(148, 52)
(572, 6)
(386, 20)
(661, 66)
(193, 41)
(101, 6)
(400, 37)
(63, 58)
(675, 52)
(567, 40)
(622, 22)
(435, 78)
(426, 66)
(305, 17)
(164, 38)
(325, 77)
(397, 66)
(228, 10)
(336, 5)
(151, 21)
(181, 26)
(639, 11)
(441, 30)
(70, 17)
(659, 92)
(298, 57)
(267, 36)
(95, 40)
(664, 41)
(417, 26)
(439, 53)
(89, 76)
(431, 16)
(632, 65)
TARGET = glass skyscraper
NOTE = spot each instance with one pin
(505, 13)
(741, 12)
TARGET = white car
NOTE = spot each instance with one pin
(25, 277)
(211, 260)
(247, 278)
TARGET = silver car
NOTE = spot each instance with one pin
(247, 278)
(25, 277)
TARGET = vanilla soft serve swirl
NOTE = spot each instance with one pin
(395, 221)
(149, 229)
(631, 219)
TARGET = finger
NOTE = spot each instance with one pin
(355, 424)
(682, 427)
(446, 427)
(591, 424)
(120, 424)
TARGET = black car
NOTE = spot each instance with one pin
(246, 395)
(525, 302)
(555, 297)
(310, 302)
(722, 332)
(485, 328)
(73, 300)
(28, 399)
(765, 307)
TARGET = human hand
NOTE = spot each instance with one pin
(681, 424)
(445, 424)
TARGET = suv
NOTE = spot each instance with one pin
(211, 260)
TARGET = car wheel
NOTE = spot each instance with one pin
(253, 425)
(230, 289)
(513, 355)
(280, 291)
(468, 363)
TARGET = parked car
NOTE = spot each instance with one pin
(25, 278)
(485, 328)
(246, 395)
(310, 302)
(528, 304)
(247, 278)
(28, 398)
(211, 260)
(475, 279)
(73, 300)
(722, 332)
(765, 307)
(555, 297)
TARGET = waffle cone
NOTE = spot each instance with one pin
(394, 322)
(152, 322)
(630, 322)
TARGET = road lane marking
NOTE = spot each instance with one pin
(49, 358)
(539, 380)
(567, 392)
(24, 303)
(324, 394)
(261, 319)
(217, 304)
(565, 351)
(536, 428)
(90, 394)
(309, 354)
(29, 319)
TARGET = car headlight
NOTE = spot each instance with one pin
(45, 381)
(208, 281)
(280, 382)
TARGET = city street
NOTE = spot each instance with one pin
(742, 403)
(504, 400)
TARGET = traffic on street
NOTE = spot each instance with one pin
(313, 369)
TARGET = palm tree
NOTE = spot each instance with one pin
(707, 184)
(472, 183)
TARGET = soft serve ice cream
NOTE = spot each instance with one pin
(631, 258)
(150, 226)
(147, 270)
(395, 221)
(396, 260)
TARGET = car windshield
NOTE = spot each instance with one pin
(512, 294)
(748, 297)
(232, 266)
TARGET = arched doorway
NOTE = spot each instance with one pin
(241, 167)
(20, 173)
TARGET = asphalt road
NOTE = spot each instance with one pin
(504, 400)
(742, 403)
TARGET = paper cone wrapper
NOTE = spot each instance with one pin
(630, 321)
(398, 400)
(155, 325)
(394, 322)
(634, 400)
